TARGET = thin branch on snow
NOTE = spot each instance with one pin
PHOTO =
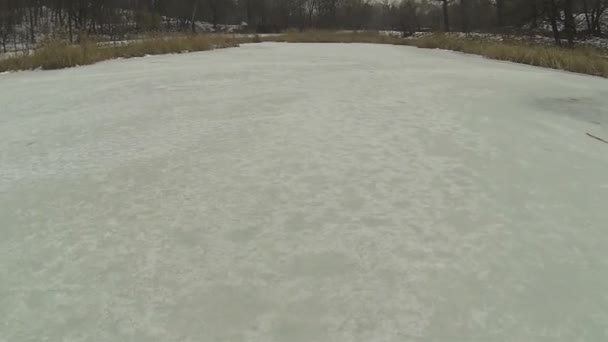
(600, 139)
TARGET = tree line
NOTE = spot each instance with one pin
(562, 15)
(28, 20)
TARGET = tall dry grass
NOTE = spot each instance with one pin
(580, 60)
(320, 36)
(58, 54)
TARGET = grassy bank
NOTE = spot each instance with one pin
(580, 60)
(335, 37)
(58, 55)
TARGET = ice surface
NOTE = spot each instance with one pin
(280, 192)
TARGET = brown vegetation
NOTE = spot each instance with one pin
(56, 55)
(580, 60)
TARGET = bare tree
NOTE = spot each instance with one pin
(445, 4)
(594, 11)
(569, 25)
(28, 20)
(553, 15)
(195, 4)
(464, 15)
(8, 21)
(500, 12)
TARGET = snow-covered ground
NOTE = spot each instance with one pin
(280, 192)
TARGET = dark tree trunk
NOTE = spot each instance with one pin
(500, 12)
(214, 15)
(600, 9)
(587, 19)
(552, 13)
(193, 21)
(464, 16)
(570, 26)
(70, 31)
(249, 14)
(534, 11)
(446, 16)
(31, 14)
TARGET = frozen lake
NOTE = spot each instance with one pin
(280, 192)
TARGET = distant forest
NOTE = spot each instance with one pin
(28, 20)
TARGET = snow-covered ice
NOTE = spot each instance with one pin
(280, 192)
